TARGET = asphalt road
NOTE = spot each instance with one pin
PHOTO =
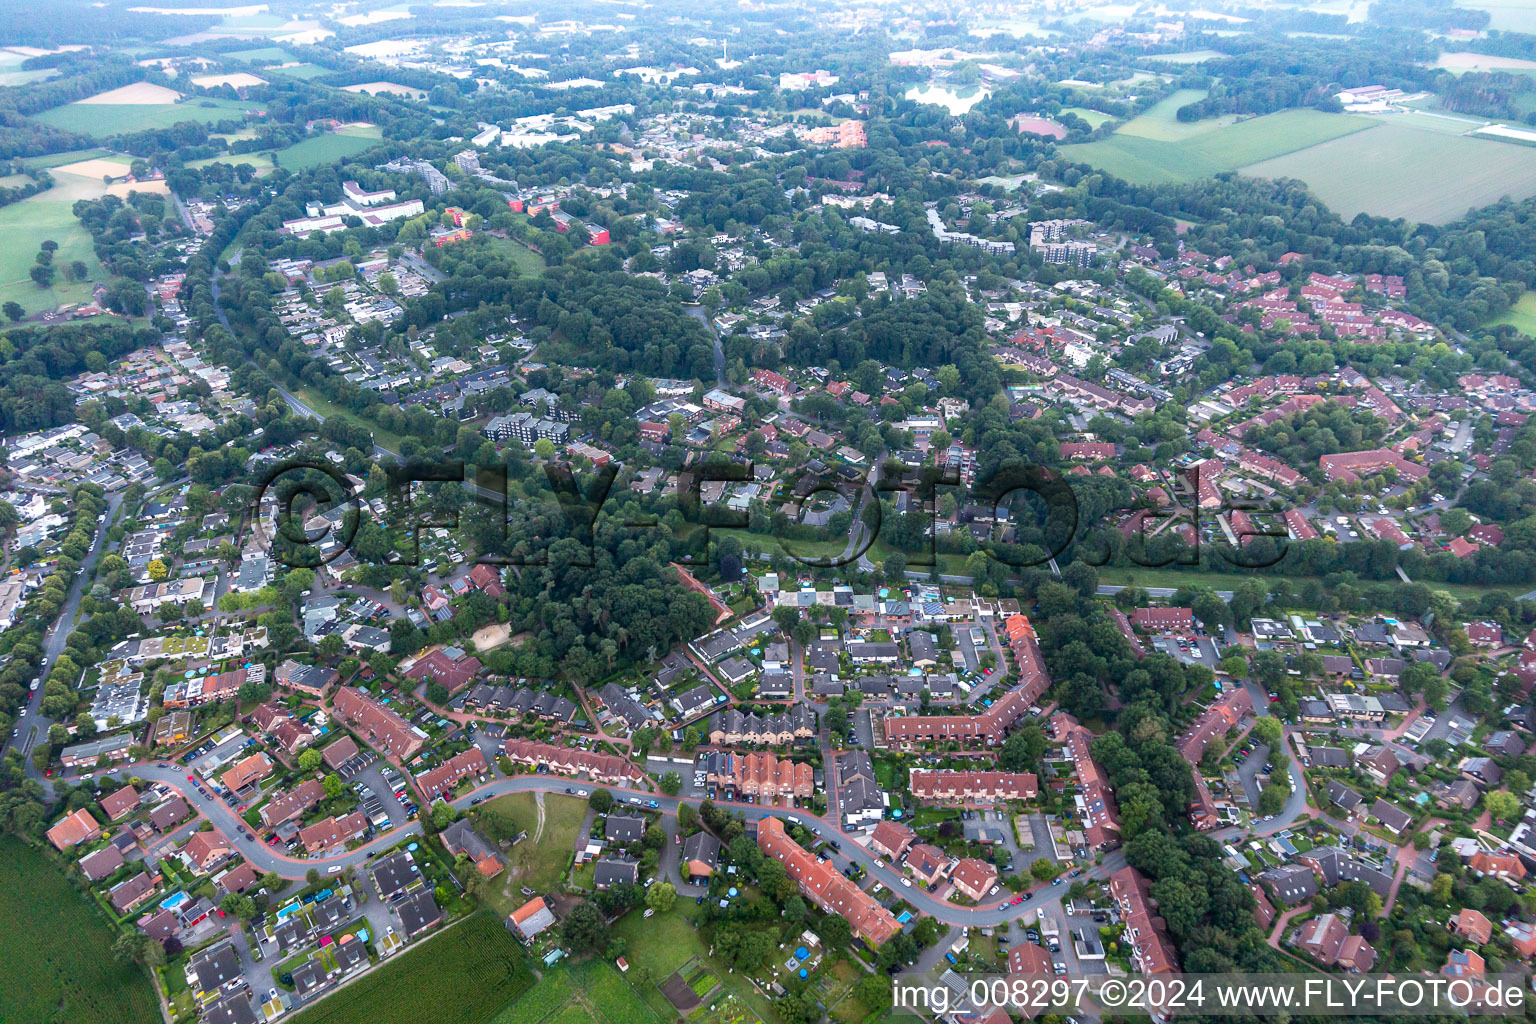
(267, 858)
(34, 726)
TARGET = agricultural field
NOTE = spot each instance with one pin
(1468, 61)
(1521, 316)
(463, 976)
(262, 55)
(105, 119)
(1146, 153)
(328, 148)
(305, 71)
(60, 970)
(1425, 176)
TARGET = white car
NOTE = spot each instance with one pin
(907, 882)
(333, 869)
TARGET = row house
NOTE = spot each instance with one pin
(956, 787)
(760, 775)
(1151, 950)
(605, 768)
(735, 727)
(1095, 800)
(1224, 713)
(823, 885)
(329, 833)
(379, 725)
(285, 807)
(440, 781)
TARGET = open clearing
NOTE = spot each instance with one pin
(1506, 15)
(1161, 123)
(1424, 176)
(1144, 160)
(59, 967)
(591, 991)
(1521, 316)
(105, 119)
(462, 977)
(328, 148)
(261, 161)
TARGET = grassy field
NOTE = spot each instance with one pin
(462, 977)
(1521, 316)
(316, 401)
(1150, 151)
(32, 163)
(529, 263)
(328, 148)
(305, 71)
(261, 161)
(26, 225)
(103, 119)
(1093, 117)
(1421, 175)
(57, 965)
(540, 860)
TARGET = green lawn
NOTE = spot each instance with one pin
(328, 148)
(104, 119)
(32, 163)
(1424, 176)
(1148, 150)
(1521, 316)
(464, 976)
(56, 963)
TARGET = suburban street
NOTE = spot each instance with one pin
(265, 858)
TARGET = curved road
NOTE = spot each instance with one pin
(266, 858)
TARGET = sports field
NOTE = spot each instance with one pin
(1157, 148)
(59, 967)
(104, 119)
(328, 148)
(1425, 176)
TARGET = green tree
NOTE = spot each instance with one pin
(670, 783)
(661, 896)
